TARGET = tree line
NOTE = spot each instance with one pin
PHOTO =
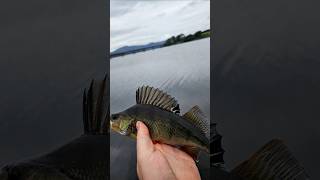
(181, 38)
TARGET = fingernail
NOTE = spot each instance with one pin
(138, 125)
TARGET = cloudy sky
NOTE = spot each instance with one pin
(136, 22)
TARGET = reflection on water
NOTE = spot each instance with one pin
(181, 70)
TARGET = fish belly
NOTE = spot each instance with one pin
(172, 135)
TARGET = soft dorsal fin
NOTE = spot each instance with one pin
(272, 161)
(198, 119)
(156, 97)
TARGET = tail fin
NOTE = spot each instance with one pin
(272, 161)
(96, 108)
(216, 150)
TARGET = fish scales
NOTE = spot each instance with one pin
(160, 112)
(162, 123)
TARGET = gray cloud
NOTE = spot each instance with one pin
(122, 31)
(121, 7)
(135, 22)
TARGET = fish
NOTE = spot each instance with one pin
(85, 157)
(161, 114)
(273, 161)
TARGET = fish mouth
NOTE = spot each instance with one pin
(124, 132)
(115, 127)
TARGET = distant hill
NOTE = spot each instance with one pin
(134, 49)
(181, 38)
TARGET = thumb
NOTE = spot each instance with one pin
(144, 142)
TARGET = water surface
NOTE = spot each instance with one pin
(183, 71)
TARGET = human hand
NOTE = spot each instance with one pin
(161, 161)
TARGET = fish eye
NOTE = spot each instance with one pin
(114, 116)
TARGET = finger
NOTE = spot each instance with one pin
(174, 152)
(144, 142)
(139, 171)
(182, 164)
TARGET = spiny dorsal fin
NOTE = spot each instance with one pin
(272, 161)
(96, 107)
(156, 97)
(197, 118)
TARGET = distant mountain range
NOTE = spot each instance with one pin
(134, 49)
(181, 38)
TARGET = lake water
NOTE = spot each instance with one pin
(183, 71)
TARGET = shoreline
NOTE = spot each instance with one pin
(151, 48)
